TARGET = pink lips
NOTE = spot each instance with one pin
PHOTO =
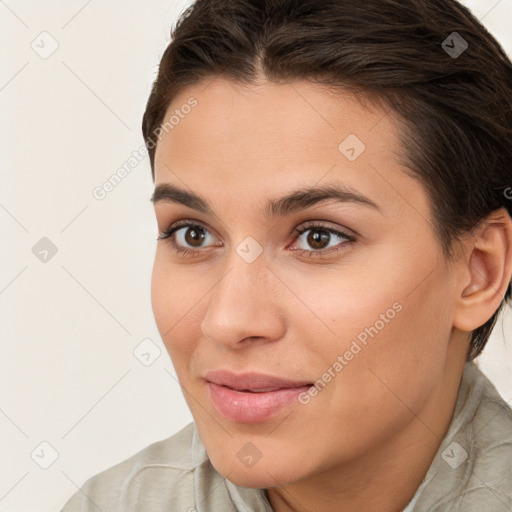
(251, 397)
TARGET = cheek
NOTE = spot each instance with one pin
(392, 336)
(175, 304)
(391, 315)
(163, 290)
(343, 303)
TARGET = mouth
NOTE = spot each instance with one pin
(253, 381)
(265, 390)
(252, 397)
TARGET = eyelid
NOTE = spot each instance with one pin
(328, 226)
(175, 226)
(303, 227)
(347, 239)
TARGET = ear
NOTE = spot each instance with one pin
(488, 263)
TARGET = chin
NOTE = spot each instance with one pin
(253, 479)
(261, 475)
(250, 480)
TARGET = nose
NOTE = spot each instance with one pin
(245, 306)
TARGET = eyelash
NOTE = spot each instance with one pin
(167, 236)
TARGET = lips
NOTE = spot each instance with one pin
(252, 381)
(252, 397)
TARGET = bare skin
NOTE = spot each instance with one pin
(366, 440)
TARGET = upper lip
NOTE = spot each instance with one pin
(251, 380)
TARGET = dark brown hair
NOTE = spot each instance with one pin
(455, 108)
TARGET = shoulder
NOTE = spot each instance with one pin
(156, 472)
(489, 439)
(472, 469)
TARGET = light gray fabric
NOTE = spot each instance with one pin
(471, 472)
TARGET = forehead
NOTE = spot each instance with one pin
(287, 120)
(286, 134)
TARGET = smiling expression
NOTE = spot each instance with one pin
(278, 251)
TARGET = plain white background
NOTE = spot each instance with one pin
(75, 398)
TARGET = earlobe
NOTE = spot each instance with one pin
(490, 268)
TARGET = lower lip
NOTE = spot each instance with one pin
(247, 407)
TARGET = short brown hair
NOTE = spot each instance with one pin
(455, 108)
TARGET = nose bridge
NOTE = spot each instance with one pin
(243, 303)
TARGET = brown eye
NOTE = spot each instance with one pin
(318, 238)
(194, 236)
(186, 238)
(321, 240)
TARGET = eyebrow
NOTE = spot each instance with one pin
(280, 207)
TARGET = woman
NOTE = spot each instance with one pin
(333, 197)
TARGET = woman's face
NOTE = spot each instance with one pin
(360, 303)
